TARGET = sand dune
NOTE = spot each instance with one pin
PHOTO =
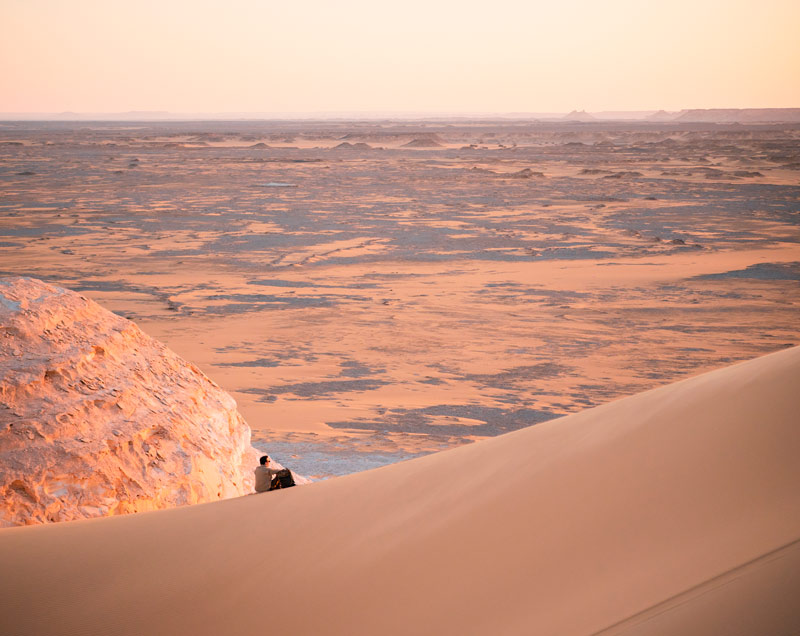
(672, 511)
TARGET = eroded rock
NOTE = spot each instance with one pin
(97, 418)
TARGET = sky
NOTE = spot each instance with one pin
(435, 56)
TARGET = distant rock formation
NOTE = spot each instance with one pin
(741, 115)
(346, 145)
(579, 115)
(624, 174)
(663, 115)
(392, 138)
(423, 142)
(746, 173)
(97, 418)
(525, 173)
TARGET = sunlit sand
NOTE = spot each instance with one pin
(673, 511)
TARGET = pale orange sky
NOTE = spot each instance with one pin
(367, 55)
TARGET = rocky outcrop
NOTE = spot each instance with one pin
(426, 141)
(97, 418)
(346, 145)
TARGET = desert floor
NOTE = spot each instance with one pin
(371, 303)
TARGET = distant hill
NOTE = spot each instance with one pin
(623, 115)
(741, 115)
(346, 145)
(579, 115)
(423, 142)
(663, 115)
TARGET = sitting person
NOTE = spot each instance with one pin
(271, 478)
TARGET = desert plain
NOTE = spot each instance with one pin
(373, 291)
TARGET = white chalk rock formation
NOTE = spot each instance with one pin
(97, 418)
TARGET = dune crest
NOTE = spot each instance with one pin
(672, 511)
(97, 418)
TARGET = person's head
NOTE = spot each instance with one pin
(264, 460)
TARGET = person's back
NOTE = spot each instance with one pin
(264, 475)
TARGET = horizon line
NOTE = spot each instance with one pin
(344, 115)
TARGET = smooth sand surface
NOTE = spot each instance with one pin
(672, 511)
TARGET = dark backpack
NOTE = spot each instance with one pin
(282, 479)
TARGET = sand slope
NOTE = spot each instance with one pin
(673, 511)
